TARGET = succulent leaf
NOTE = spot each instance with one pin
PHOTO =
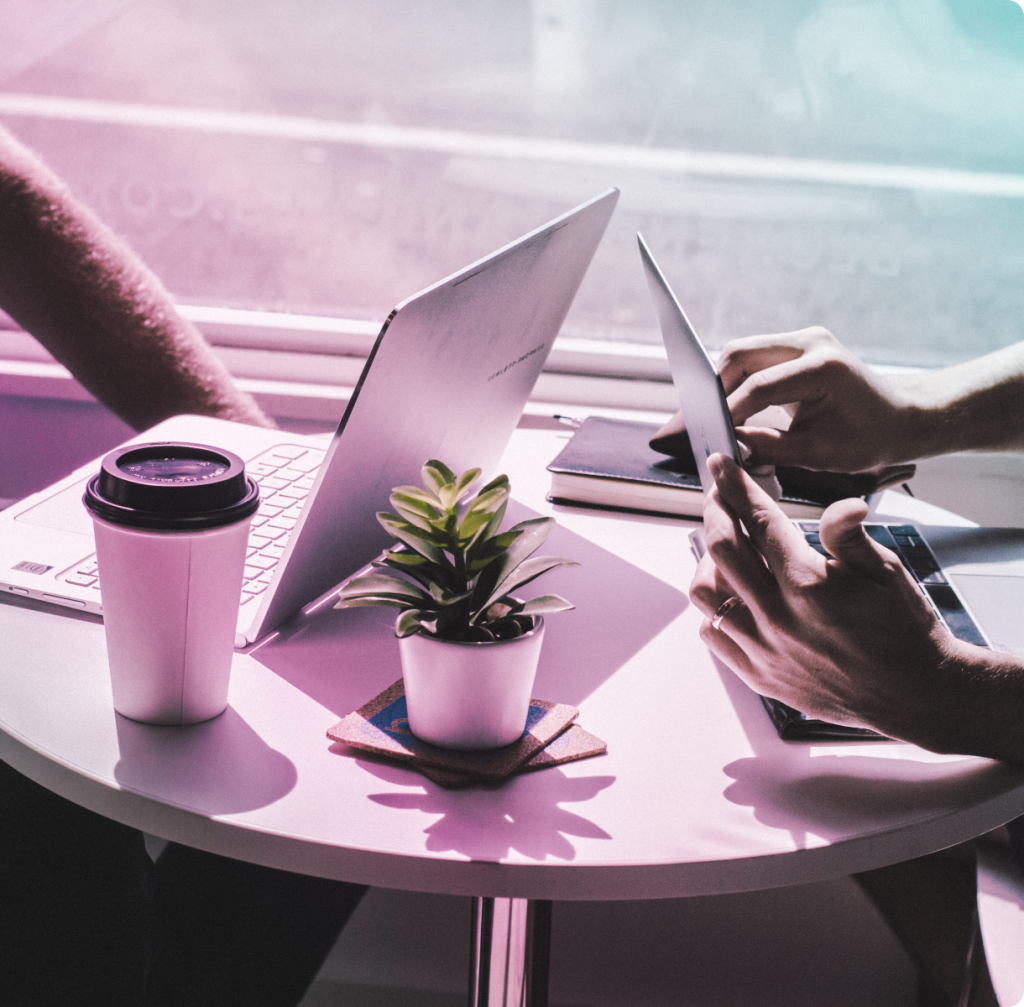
(422, 575)
(487, 503)
(529, 536)
(404, 559)
(417, 495)
(371, 602)
(383, 585)
(528, 570)
(494, 524)
(406, 503)
(545, 603)
(437, 475)
(486, 550)
(408, 622)
(414, 517)
(466, 480)
(443, 596)
(501, 480)
(412, 537)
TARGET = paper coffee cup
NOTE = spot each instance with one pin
(172, 526)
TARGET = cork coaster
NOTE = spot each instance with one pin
(382, 727)
(572, 744)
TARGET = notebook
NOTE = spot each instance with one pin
(610, 464)
(447, 378)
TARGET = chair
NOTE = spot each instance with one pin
(1001, 918)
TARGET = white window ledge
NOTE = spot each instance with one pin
(304, 367)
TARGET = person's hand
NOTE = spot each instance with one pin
(849, 639)
(844, 417)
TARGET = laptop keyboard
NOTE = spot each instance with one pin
(906, 541)
(285, 474)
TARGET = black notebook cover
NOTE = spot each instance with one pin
(792, 725)
(618, 449)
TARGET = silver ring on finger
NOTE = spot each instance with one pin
(723, 611)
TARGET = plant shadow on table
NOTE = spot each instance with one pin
(867, 787)
(218, 767)
(342, 659)
(488, 823)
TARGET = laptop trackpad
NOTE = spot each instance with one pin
(64, 511)
(998, 603)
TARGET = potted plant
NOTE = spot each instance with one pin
(469, 646)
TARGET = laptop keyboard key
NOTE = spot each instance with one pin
(309, 462)
(270, 483)
(954, 615)
(267, 532)
(80, 580)
(881, 535)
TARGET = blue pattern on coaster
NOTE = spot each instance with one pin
(392, 723)
(560, 742)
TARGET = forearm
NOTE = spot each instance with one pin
(976, 707)
(68, 280)
(975, 406)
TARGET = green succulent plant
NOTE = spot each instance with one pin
(452, 572)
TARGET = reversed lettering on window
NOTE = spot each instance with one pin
(28, 567)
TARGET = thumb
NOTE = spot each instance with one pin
(843, 536)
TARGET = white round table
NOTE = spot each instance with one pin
(696, 795)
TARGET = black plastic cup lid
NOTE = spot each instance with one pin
(172, 487)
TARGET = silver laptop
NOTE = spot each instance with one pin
(447, 378)
(973, 577)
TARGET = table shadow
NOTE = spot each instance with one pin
(490, 823)
(218, 767)
(836, 795)
(342, 659)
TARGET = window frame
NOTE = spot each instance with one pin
(306, 366)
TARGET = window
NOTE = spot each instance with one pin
(850, 163)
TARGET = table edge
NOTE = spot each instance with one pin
(558, 881)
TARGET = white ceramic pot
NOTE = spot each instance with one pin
(469, 696)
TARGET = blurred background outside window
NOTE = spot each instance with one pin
(848, 163)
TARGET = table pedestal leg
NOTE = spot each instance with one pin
(511, 947)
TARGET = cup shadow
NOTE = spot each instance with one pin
(218, 767)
